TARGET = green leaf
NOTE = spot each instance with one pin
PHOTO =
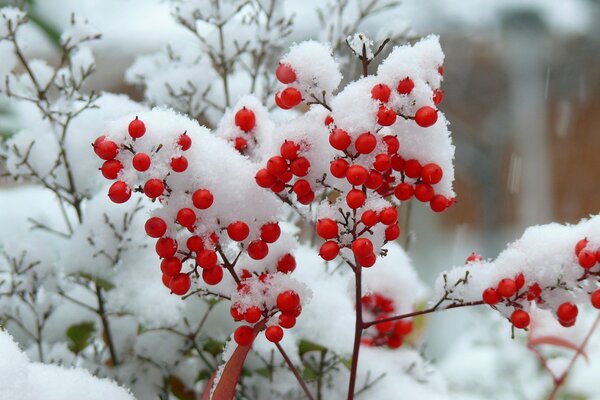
(213, 347)
(266, 372)
(309, 373)
(106, 285)
(347, 363)
(306, 346)
(203, 375)
(80, 335)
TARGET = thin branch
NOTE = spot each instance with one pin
(295, 372)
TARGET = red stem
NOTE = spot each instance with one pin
(295, 371)
(358, 328)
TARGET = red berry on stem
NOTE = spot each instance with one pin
(306, 198)
(180, 284)
(473, 257)
(382, 162)
(285, 73)
(195, 243)
(252, 314)
(328, 120)
(392, 232)
(339, 139)
(186, 217)
(329, 250)
(491, 296)
(212, 276)
(155, 227)
(520, 319)
(207, 259)
(362, 247)
(397, 163)
(238, 231)
(265, 179)
(279, 102)
(431, 173)
(287, 320)
(245, 119)
(202, 199)
(426, 116)
(567, 312)
(274, 333)
(290, 97)
(520, 280)
(179, 164)
(369, 218)
(386, 116)
(300, 166)
(388, 216)
(136, 128)
(111, 168)
(439, 203)
(327, 228)
(367, 261)
(355, 198)
(365, 143)
(339, 168)
(240, 144)
(244, 335)
(257, 250)
(301, 187)
(412, 168)
(438, 96)
(166, 247)
(141, 162)
(166, 280)
(587, 259)
(235, 313)
(170, 266)
(507, 288)
(119, 192)
(288, 301)
(357, 175)
(277, 165)
(392, 143)
(534, 292)
(184, 141)
(405, 86)
(289, 150)
(403, 191)
(441, 70)
(286, 263)
(270, 232)
(154, 188)
(424, 192)
(595, 299)
(580, 246)
(381, 92)
(106, 149)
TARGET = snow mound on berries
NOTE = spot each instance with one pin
(22, 380)
(544, 255)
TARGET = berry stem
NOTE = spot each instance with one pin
(358, 328)
(106, 326)
(294, 371)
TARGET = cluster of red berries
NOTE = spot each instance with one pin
(362, 247)
(509, 292)
(588, 259)
(287, 304)
(281, 170)
(390, 333)
(290, 96)
(246, 121)
(108, 150)
(381, 175)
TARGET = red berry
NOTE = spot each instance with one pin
(392, 143)
(439, 203)
(240, 144)
(329, 250)
(397, 163)
(339, 168)
(257, 250)
(212, 276)
(388, 216)
(357, 175)
(170, 266)
(155, 227)
(202, 199)
(289, 150)
(441, 70)
(234, 310)
(300, 166)
(166, 280)
(287, 321)
(278, 187)
(195, 243)
(403, 191)
(339, 139)
(507, 288)
(179, 164)
(285, 74)
(426, 116)
(381, 92)
(106, 149)
(386, 116)
(367, 261)
(244, 335)
(279, 102)
(587, 259)
(424, 192)
(392, 232)
(431, 173)
(382, 162)
(520, 281)
(154, 188)
(238, 231)
(534, 292)
(473, 257)
(327, 228)
(412, 168)
(403, 328)
(567, 312)
(265, 179)
(362, 247)
(186, 217)
(245, 119)
(307, 198)
(290, 97)
(438, 96)
(355, 198)
(365, 143)
(286, 264)
(288, 301)
(252, 314)
(277, 165)
(405, 86)
(270, 232)
(184, 141)
(136, 128)
(301, 187)
(520, 319)
(491, 296)
(580, 246)
(369, 218)
(166, 247)
(119, 192)
(180, 284)
(111, 168)
(328, 120)
(207, 259)
(274, 333)
(141, 162)
(595, 299)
